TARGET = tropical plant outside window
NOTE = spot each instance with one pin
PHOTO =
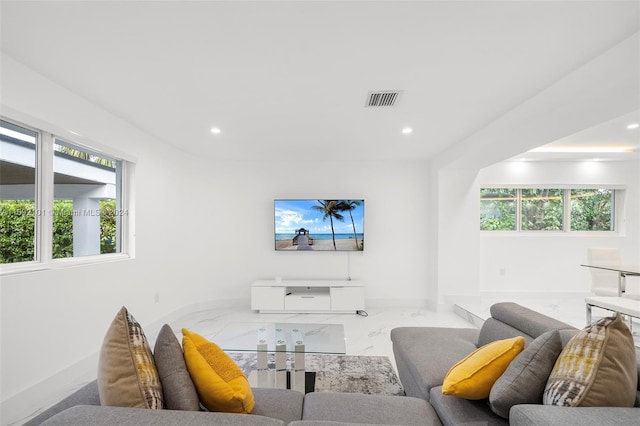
(498, 209)
(85, 189)
(592, 209)
(86, 212)
(18, 192)
(542, 209)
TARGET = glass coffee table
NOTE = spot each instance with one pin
(287, 342)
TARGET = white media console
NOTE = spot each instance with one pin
(317, 296)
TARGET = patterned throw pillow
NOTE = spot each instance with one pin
(597, 368)
(127, 375)
(526, 377)
(177, 387)
(221, 384)
(473, 376)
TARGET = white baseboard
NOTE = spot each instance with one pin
(396, 303)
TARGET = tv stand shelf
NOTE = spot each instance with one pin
(302, 296)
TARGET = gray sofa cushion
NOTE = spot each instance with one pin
(541, 415)
(327, 423)
(282, 404)
(121, 416)
(372, 409)
(493, 330)
(458, 411)
(424, 355)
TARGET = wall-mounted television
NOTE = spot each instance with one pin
(319, 225)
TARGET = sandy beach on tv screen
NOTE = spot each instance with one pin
(321, 245)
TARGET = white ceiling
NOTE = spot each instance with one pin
(610, 135)
(286, 80)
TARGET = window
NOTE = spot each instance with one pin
(547, 209)
(592, 209)
(541, 210)
(498, 209)
(18, 193)
(85, 187)
(58, 198)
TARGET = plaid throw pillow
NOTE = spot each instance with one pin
(127, 374)
(597, 368)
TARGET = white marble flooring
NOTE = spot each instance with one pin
(364, 335)
(370, 335)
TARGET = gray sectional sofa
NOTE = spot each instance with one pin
(422, 368)
(274, 407)
(423, 356)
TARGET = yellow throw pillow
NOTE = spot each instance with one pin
(221, 384)
(473, 377)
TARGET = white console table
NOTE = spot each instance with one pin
(301, 296)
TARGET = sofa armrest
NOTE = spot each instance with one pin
(540, 415)
(509, 319)
(423, 355)
(282, 404)
(86, 395)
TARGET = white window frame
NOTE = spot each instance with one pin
(44, 196)
(618, 204)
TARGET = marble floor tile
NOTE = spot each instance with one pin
(364, 335)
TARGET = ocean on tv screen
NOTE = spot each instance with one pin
(286, 237)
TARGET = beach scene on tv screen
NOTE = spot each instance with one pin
(320, 225)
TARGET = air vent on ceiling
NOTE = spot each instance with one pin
(385, 98)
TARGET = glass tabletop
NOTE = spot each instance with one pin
(624, 269)
(282, 337)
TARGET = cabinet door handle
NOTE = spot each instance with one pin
(308, 297)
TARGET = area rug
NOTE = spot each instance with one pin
(340, 373)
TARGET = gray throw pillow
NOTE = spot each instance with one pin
(179, 391)
(525, 379)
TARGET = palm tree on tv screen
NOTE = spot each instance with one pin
(330, 209)
(349, 206)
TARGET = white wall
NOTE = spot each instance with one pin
(204, 231)
(395, 202)
(53, 319)
(471, 262)
(458, 234)
(533, 262)
(605, 88)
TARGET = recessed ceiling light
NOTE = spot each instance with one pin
(407, 130)
(633, 126)
(216, 131)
